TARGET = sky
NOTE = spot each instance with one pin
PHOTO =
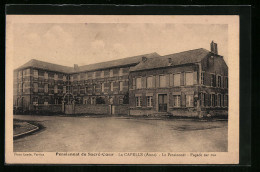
(87, 43)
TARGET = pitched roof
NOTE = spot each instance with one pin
(47, 66)
(186, 57)
(114, 63)
(103, 65)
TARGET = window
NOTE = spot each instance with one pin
(120, 72)
(188, 78)
(219, 81)
(64, 78)
(149, 82)
(219, 100)
(102, 74)
(176, 79)
(212, 100)
(111, 86)
(226, 82)
(35, 87)
(86, 89)
(203, 99)
(78, 89)
(202, 78)
(46, 88)
(71, 78)
(149, 101)
(35, 100)
(138, 83)
(213, 80)
(176, 100)
(35, 73)
(45, 75)
(64, 89)
(20, 74)
(138, 101)
(56, 101)
(226, 100)
(162, 81)
(93, 100)
(102, 87)
(121, 86)
(55, 89)
(189, 100)
(55, 77)
(19, 87)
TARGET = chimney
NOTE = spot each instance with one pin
(214, 47)
(144, 58)
(76, 67)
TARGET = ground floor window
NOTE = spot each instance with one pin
(212, 100)
(189, 100)
(35, 100)
(203, 99)
(176, 100)
(138, 101)
(121, 100)
(93, 100)
(149, 101)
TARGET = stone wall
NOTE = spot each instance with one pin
(121, 110)
(91, 109)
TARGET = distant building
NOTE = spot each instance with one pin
(190, 83)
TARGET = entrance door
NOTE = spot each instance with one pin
(162, 102)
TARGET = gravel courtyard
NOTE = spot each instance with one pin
(123, 134)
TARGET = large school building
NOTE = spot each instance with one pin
(190, 83)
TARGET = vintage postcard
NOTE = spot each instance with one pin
(93, 89)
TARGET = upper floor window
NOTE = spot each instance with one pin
(35, 87)
(45, 75)
(120, 71)
(111, 72)
(177, 79)
(149, 82)
(35, 73)
(20, 74)
(64, 78)
(226, 82)
(188, 78)
(86, 89)
(55, 89)
(78, 77)
(102, 74)
(162, 81)
(55, 77)
(64, 89)
(94, 75)
(138, 83)
(219, 81)
(202, 78)
(23, 85)
(213, 80)
(71, 78)
(19, 87)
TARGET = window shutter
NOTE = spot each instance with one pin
(195, 77)
(182, 79)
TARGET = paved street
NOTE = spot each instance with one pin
(116, 134)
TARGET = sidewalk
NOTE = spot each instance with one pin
(22, 128)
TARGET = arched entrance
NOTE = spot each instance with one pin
(68, 103)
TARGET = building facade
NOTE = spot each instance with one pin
(190, 83)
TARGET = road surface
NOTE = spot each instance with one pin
(122, 134)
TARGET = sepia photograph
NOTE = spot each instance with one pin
(125, 87)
